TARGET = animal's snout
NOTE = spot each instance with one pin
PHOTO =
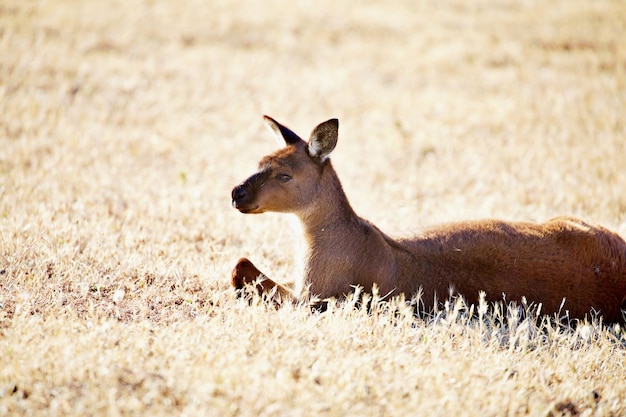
(244, 196)
(239, 195)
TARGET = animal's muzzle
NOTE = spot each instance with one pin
(244, 198)
(244, 195)
(239, 195)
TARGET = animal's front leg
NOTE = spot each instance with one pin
(246, 273)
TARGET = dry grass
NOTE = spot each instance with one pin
(124, 125)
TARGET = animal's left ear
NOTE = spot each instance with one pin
(323, 139)
(282, 132)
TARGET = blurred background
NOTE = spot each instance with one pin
(125, 124)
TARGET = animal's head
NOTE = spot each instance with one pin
(288, 179)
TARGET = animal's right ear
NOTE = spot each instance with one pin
(324, 139)
(282, 132)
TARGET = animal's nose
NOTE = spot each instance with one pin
(239, 194)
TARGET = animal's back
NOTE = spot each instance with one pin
(547, 262)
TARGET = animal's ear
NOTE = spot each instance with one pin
(323, 139)
(282, 132)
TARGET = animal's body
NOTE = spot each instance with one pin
(565, 264)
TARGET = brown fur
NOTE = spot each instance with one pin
(563, 258)
(246, 273)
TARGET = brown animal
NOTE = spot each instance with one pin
(565, 264)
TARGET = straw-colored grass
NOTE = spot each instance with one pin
(125, 124)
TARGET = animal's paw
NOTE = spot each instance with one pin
(244, 273)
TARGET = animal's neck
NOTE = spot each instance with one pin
(329, 210)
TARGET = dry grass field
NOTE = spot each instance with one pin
(125, 124)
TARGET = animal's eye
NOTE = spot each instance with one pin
(283, 177)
